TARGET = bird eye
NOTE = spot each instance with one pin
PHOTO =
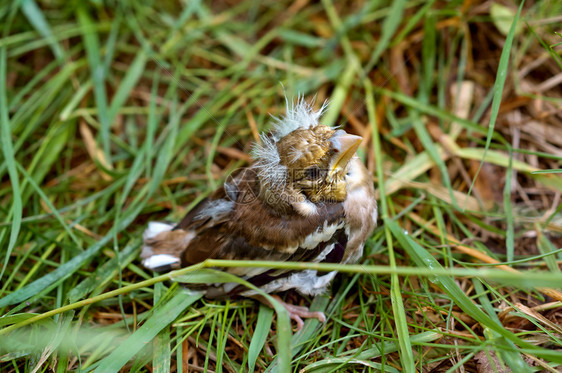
(312, 173)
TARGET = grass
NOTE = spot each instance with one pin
(114, 114)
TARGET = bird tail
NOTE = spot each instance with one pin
(163, 245)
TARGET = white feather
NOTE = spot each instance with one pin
(321, 235)
(159, 260)
(306, 282)
(155, 228)
(305, 208)
(216, 209)
(270, 171)
(299, 115)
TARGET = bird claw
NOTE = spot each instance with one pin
(297, 313)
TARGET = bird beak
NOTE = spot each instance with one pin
(345, 146)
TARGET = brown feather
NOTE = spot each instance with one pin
(252, 227)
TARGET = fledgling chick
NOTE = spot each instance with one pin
(306, 197)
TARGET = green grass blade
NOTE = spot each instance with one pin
(68, 268)
(62, 272)
(339, 95)
(498, 87)
(16, 210)
(161, 317)
(16, 318)
(390, 25)
(161, 352)
(134, 73)
(105, 273)
(49, 204)
(433, 151)
(406, 354)
(432, 110)
(262, 329)
(37, 19)
(166, 152)
(553, 171)
(333, 362)
(91, 44)
(48, 154)
(206, 276)
(299, 340)
(425, 260)
(547, 248)
(111, 42)
(507, 349)
(510, 231)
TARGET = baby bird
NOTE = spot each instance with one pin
(306, 197)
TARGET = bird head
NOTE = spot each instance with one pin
(302, 163)
(316, 160)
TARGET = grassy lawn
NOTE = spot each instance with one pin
(113, 114)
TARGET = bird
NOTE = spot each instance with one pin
(306, 196)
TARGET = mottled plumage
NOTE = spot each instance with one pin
(306, 197)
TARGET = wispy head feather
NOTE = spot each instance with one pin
(267, 159)
(299, 115)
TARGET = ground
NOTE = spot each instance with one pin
(113, 114)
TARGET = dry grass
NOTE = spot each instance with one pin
(116, 114)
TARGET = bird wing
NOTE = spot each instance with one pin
(248, 229)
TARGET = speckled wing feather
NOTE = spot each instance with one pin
(246, 229)
(237, 225)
